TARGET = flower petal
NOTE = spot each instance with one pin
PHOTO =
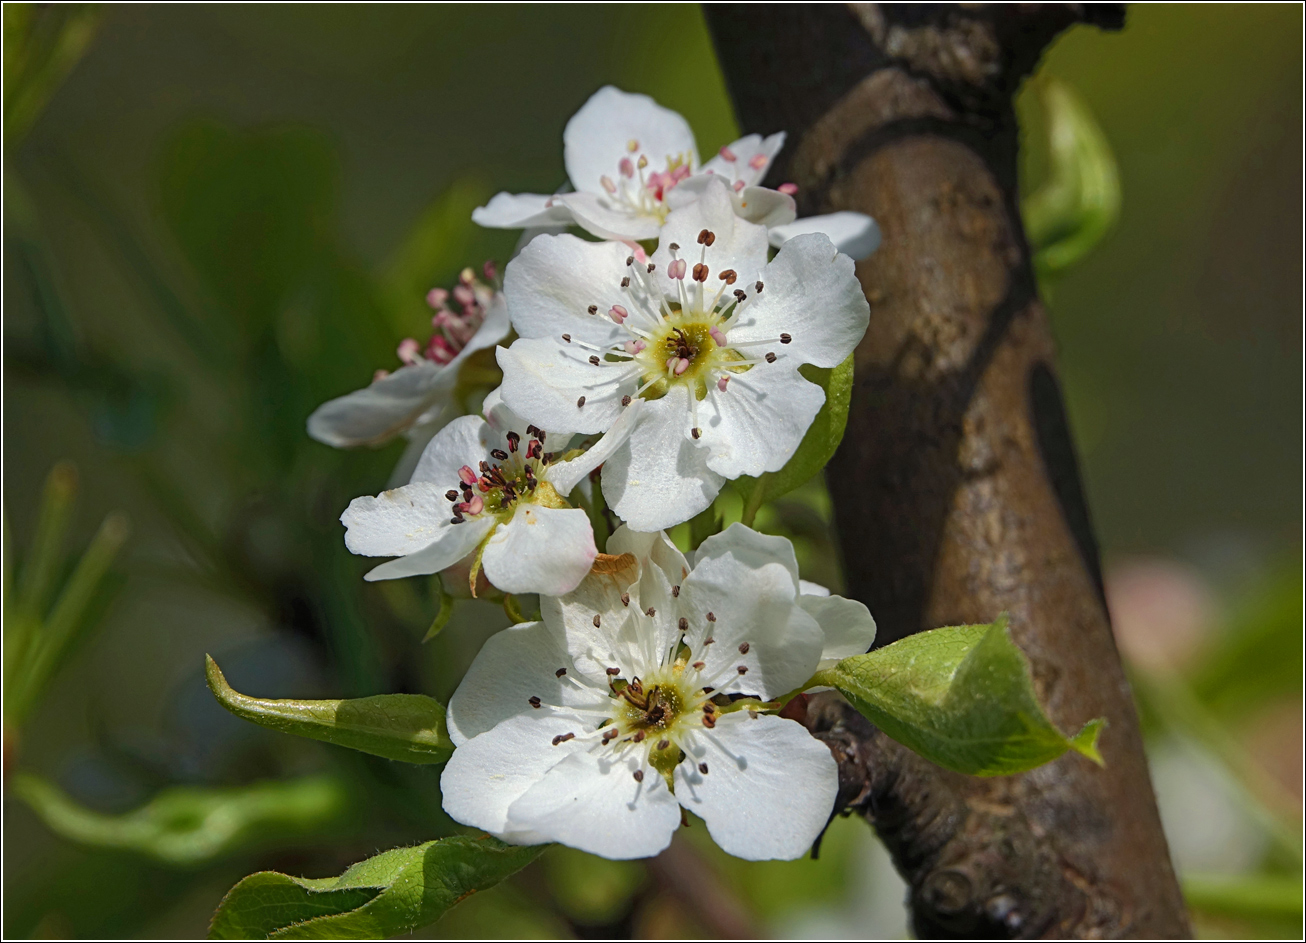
(520, 211)
(594, 803)
(552, 283)
(456, 542)
(746, 152)
(808, 588)
(608, 219)
(598, 136)
(540, 550)
(379, 412)
(856, 235)
(490, 772)
(660, 477)
(655, 548)
(846, 624)
(512, 667)
(397, 522)
(749, 583)
(564, 476)
(764, 206)
(757, 423)
(739, 244)
(596, 628)
(812, 293)
(769, 789)
(544, 380)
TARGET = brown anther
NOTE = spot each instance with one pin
(702, 768)
(684, 624)
(596, 620)
(711, 617)
(567, 338)
(700, 272)
(534, 702)
(711, 237)
(630, 260)
(500, 454)
(753, 715)
(709, 640)
(560, 672)
(674, 247)
(742, 669)
(456, 520)
(613, 672)
(639, 736)
(625, 401)
(593, 309)
(708, 691)
(639, 775)
(709, 721)
(702, 237)
(675, 592)
(580, 402)
(663, 744)
(743, 648)
(625, 599)
(651, 268)
(594, 359)
(696, 432)
(740, 296)
(728, 276)
(709, 707)
(758, 287)
(563, 738)
(770, 357)
(650, 611)
(785, 338)
(700, 665)
(625, 282)
(451, 495)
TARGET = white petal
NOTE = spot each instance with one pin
(419, 436)
(520, 211)
(465, 441)
(594, 803)
(609, 219)
(494, 328)
(757, 423)
(512, 667)
(750, 584)
(810, 292)
(617, 641)
(847, 625)
(397, 522)
(379, 412)
(744, 150)
(564, 476)
(808, 588)
(456, 542)
(540, 550)
(765, 207)
(856, 235)
(597, 137)
(488, 773)
(660, 477)
(544, 380)
(656, 548)
(769, 789)
(739, 244)
(552, 283)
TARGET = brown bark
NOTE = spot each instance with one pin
(956, 489)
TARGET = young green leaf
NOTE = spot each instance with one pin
(961, 697)
(407, 727)
(189, 826)
(818, 446)
(399, 890)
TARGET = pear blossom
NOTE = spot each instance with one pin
(631, 162)
(416, 399)
(646, 691)
(709, 334)
(486, 486)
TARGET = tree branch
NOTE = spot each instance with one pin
(956, 489)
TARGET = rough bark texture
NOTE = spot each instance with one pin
(956, 487)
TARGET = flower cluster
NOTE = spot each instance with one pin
(650, 366)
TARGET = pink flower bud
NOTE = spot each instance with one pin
(436, 297)
(408, 350)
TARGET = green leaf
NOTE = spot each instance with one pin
(1073, 210)
(190, 826)
(961, 697)
(399, 890)
(407, 727)
(818, 446)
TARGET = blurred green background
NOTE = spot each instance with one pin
(218, 217)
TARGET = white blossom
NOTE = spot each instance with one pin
(417, 399)
(709, 334)
(631, 162)
(594, 726)
(490, 486)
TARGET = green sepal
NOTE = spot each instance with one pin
(961, 697)
(405, 727)
(397, 891)
(446, 609)
(818, 446)
(188, 826)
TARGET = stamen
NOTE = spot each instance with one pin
(534, 702)
(580, 402)
(593, 309)
(789, 189)
(700, 665)
(514, 440)
(700, 272)
(684, 624)
(639, 775)
(650, 612)
(500, 454)
(625, 401)
(702, 768)
(758, 161)
(743, 648)
(721, 383)
(663, 744)
(711, 617)
(676, 269)
(727, 153)
(612, 671)
(675, 592)
(466, 475)
(625, 599)
(560, 672)
(451, 494)
(742, 669)
(786, 338)
(770, 357)
(567, 338)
